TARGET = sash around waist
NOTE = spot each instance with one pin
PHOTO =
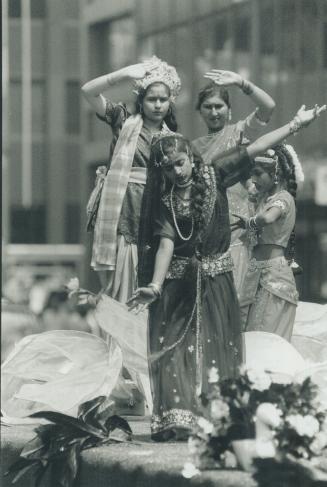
(138, 175)
(211, 265)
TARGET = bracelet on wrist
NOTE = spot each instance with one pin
(295, 125)
(156, 288)
(246, 87)
(251, 224)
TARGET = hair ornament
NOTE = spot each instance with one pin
(161, 72)
(299, 175)
(161, 158)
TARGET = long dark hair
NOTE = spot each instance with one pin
(212, 89)
(170, 118)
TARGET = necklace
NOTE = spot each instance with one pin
(175, 220)
(185, 185)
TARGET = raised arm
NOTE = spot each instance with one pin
(264, 103)
(302, 119)
(92, 90)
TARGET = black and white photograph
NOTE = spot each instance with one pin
(164, 243)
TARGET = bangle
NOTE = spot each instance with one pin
(295, 125)
(251, 224)
(156, 288)
(246, 87)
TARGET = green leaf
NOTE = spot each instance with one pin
(64, 419)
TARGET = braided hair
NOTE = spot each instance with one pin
(170, 118)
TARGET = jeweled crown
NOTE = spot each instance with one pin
(161, 72)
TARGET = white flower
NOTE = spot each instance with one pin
(229, 459)
(319, 443)
(265, 448)
(192, 445)
(260, 380)
(205, 425)
(303, 425)
(73, 284)
(269, 414)
(213, 375)
(219, 409)
(190, 470)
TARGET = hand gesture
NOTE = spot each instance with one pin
(306, 116)
(139, 70)
(241, 223)
(82, 297)
(224, 78)
(141, 299)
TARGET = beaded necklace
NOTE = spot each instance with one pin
(175, 220)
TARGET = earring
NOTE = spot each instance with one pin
(276, 179)
(141, 109)
(229, 115)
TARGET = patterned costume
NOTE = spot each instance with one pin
(269, 296)
(195, 324)
(209, 147)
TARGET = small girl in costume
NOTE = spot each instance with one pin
(269, 297)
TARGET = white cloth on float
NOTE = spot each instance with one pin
(275, 355)
(57, 370)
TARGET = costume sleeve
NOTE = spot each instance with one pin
(163, 225)
(115, 115)
(283, 200)
(251, 128)
(232, 166)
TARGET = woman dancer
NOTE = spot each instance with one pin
(117, 217)
(195, 323)
(269, 297)
(215, 109)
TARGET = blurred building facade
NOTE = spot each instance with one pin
(44, 133)
(279, 44)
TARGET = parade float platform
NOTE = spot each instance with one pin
(139, 463)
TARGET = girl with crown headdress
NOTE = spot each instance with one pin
(114, 209)
(269, 297)
(214, 107)
(194, 319)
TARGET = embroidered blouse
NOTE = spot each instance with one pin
(216, 236)
(278, 232)
(212, 145)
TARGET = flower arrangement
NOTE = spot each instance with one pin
(283, 422)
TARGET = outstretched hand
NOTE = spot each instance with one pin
(139, 70)
(82, 297)
(306, 116)
(241, 223)
(224, 78)
(142, 297)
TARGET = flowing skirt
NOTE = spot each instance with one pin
(185, 342)
(269, 297)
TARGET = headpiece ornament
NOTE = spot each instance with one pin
(160, 157)
(270, 157)
(161, 72)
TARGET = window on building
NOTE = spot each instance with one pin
(28, 225)
(15, 106)
(38, 107)
(242, 33)
(38, 9)
(220, 34)
(267, 32)
(121, 42)
(325, 44)
(72, 104)
(14, 8)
